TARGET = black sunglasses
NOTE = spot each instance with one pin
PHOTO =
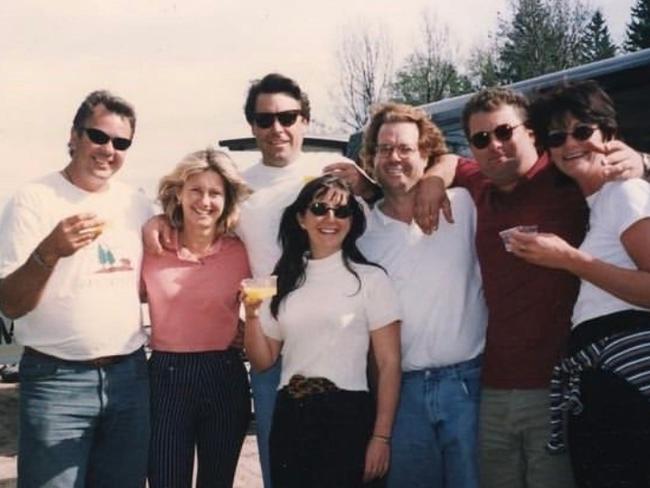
(266, 119)
(319, 209)
(502, 133)
(580, 133)
(100, 137)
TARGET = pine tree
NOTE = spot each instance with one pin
(638, 30)
(543, 36)
(597, 41)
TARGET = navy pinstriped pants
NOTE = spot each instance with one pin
(198, 401)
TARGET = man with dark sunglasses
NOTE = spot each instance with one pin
(69, 262)
(529, 306)
(278, 112)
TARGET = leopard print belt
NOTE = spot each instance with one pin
(300, 386)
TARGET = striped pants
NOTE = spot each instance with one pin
(199, 401)
(606, 388)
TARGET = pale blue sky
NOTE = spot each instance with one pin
(186, 64)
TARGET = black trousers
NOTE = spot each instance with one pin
(320, 441)
(609, 441)
(198, 401)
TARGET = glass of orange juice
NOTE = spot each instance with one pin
(261, 288)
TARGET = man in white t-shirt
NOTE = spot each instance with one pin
(69, 267)
(437, 277)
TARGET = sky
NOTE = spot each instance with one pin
(186, 65)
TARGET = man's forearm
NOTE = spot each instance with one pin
(21, 291)
(444, 168)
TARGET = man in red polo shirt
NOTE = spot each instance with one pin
(529, 307)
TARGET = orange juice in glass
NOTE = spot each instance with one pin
(256, 289)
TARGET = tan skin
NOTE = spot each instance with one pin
(622, 162)
(263, 351)
(280, 146)
(586, 162)
(90, 169)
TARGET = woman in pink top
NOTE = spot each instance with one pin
(199, 387)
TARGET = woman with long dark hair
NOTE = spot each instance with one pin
(330, 306)
(604, 383)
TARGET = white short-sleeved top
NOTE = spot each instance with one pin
(325, 324)
(90, 306)
(613, 210)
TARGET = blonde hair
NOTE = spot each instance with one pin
(236, 190)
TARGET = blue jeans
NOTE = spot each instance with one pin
(82, 425)
(265, 389)
(435, 435)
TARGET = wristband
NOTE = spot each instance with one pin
(40, 261)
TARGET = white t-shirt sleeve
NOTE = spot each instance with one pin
(627, 202)
(382, 304)
(21, 228)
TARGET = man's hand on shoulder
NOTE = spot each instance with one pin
(622, 162)
(157, 235)
(360, 182)
(431, 195)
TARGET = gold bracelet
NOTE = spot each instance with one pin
(383, 438)
(40, 261)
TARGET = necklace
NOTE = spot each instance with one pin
(66, 174)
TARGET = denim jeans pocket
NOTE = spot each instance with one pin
(471, 384)
(33, 369)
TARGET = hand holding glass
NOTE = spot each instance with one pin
(257, 289)
(505, 234)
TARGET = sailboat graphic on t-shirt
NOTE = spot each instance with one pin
(109, 263)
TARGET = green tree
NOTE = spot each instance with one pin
(638, 30)
(543, 36)
(597, 42)
(429, 73)
(484, 66)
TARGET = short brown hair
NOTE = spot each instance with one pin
(197, 162)
(490, 99)
(431, 139)
(271, 84)
(585, 100)
(113, 104)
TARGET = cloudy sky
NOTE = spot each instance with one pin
(186, 64)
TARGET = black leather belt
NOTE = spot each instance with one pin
(93, 363)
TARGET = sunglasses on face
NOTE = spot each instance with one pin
(557, 138)
(319, 209)
(100, 137)
(502, 133)
(265, 120)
